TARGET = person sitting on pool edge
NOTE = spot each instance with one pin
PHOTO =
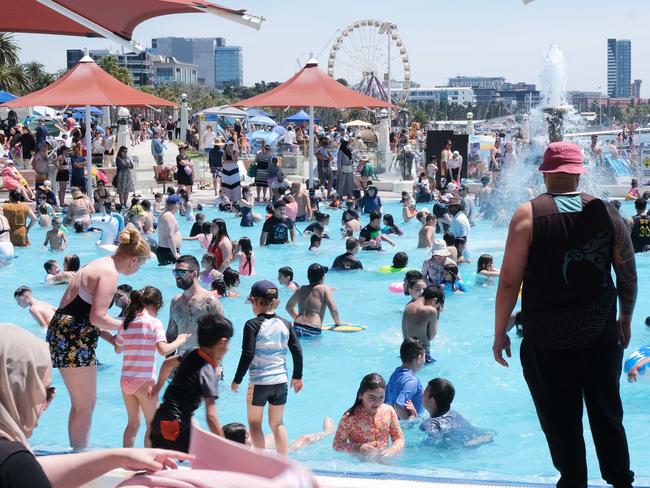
(400, 262)
(196, 378)
(237, 432)
(404, 390)
(312, 300)
(348, 260)
(446, 427)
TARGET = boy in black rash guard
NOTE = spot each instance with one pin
(348, 260)
(196, 377)
(370, 236)
(264, 349)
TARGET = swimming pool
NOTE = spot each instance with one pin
(492, 397)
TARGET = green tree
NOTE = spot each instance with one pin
(13, 79)
(37, 76)
(8, 49)
(112, 67)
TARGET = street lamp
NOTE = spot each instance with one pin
(387, 28)
(383, 113)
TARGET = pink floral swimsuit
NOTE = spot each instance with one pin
(362, 428)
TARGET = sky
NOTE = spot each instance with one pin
(444, 38)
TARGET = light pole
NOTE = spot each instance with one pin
(383, 156)
(184, 116)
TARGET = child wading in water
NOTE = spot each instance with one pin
(140, 336)
(267, 338)
(245, 256)
(196, 378)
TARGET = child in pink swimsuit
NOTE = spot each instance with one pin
(366, 427)
(244, 254)
(140, 336)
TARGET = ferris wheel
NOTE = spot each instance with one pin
(365, 53)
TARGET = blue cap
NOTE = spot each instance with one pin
(171, 199)
(264, 289)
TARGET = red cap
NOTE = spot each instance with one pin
(563, 157)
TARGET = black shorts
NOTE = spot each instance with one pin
(165, 256)
(276, 395)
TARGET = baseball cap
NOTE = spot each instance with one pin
(439, 248)
(563, 157)
(173, 199)
(315, 272)
(264, 289)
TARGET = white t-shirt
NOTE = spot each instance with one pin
(455, 163)
(460, 225)
(290, 137)
(208, 139)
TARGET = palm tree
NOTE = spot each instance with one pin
(13, 79)
(8, 49)
(111, 66)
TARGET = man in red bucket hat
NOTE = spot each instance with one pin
(561, 246)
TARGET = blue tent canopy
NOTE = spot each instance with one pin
(93, 110)
(6, 96)
(257, 112)
(80, 116)
(300, 116)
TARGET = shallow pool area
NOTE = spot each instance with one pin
(491, 396)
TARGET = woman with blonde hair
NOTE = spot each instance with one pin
(77, 323)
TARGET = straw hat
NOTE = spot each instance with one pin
(364, 157)
(219, 142)
(46, 186)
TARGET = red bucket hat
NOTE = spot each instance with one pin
(563, 157)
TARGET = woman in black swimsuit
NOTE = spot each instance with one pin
(77, 323)
(63, 172)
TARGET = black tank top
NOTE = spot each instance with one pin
(568, 296)
(640, 232)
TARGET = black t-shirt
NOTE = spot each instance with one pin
(196, 229)
(19, 468)
(195, 379)
(640, 232)
(346, 262)
(370, 234)
(278, 230)
(215, 157)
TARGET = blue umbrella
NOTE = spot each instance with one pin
(6, 96)
(299, 116)
(80, 116)
(93, 110)
(262, 120)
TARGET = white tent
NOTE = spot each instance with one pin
(224, 111)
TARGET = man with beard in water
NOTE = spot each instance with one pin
(189, 306)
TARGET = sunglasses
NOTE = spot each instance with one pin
(181, 273)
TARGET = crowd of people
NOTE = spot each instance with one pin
(198, 335)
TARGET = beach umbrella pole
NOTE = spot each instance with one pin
(89, 155)
(311, 147)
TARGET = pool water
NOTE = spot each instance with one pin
(491, 396)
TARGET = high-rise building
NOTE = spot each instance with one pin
(138, 65)
(619, 68)
(228, 66)
(635, 89)
(205, 52)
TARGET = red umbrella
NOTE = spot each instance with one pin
(312, 87)
(112, 19)
(87, 84)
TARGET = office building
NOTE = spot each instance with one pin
(478, 82)
(619, 68)
(460, 95)
(218, 64)
(169, 70)
(138, 65)
(635, 89)
(228, 66)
